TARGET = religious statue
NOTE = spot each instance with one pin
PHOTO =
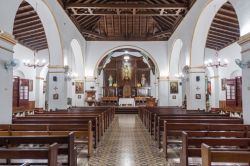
(126, 73)
(143, 80)
(110, 80)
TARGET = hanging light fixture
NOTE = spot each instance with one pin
(36, 62)
(217, 62)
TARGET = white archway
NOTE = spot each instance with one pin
(205, 20)
(236, 73)
(144, 52)
(175, 57)
(18, 73)
(78, 56)
(51, 30)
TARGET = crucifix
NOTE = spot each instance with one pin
(55, 88)
(198, 88)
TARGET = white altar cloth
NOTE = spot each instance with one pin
(127, 102)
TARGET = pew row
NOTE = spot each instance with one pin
(49, 153)
(201, 129)
(209, 155)
(191, 146)
(69, 140)
(83, 134)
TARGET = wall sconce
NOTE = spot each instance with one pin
(241, 64)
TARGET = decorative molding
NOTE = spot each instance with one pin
(6, 49)
(55, 67)
(7, 37)
(40, 78)
(244, 39)
(246, 50)
(214, 77)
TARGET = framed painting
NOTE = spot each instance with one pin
(79, 87)
(174, 87)
(198, 96)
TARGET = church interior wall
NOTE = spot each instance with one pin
(97, 49)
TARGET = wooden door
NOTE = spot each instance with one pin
(231, 93)
(24, 93)
(15, 96)
(239, 91)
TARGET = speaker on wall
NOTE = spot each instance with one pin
(55, 78)
(197, 78)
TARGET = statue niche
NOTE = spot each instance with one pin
(126, 76)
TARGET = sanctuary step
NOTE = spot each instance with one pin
(126, 110)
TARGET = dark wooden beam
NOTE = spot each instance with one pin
(127, 6)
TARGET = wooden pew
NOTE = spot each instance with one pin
(159, 126)
(80, 124)
(208, 156)
(191, 146)
(160, 129)
(83, 134)
(176, 129)
(49, 153)
(69, 140)
(62, 120)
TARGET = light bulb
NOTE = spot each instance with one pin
(219, 59)
(43, 61)
(226, 61)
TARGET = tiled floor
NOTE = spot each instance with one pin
(127, 143)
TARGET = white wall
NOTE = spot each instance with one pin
(97, 49)
(21, 53)
(6, 82)
(230, 53)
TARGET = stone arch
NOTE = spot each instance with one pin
(18, 73)
(175, 57)
(126, 47)
(204, 22)
(77, 53)
(236, 73)
(51, 29)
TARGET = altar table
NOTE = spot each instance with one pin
(127, 102)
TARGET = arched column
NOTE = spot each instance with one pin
(7, 43)
(244, 42)
(197, 71)
(56, 60)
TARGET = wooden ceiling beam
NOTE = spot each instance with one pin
(225, 31)
(127, 6)
(29, 32)
(86, 32)
(160, 35)
(30, 35)
(26, 29)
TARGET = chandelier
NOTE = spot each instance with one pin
(69, 75)
(35, 63)
(217, 62)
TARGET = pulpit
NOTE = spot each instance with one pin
(90, 97)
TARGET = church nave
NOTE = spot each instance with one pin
(127, 143)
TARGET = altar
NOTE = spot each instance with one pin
(127, 102)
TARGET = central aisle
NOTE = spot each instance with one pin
(127, 143)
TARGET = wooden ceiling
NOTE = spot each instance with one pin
(129, 20)
(28, 29)
(225, 28)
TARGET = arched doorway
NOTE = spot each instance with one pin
(126, 65)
